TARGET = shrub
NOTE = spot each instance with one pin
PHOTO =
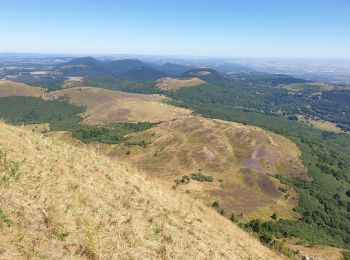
(202, 178)
(265, 238)
(233, 218)
(274, 216)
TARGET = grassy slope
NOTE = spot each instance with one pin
(10, 88)
(108, 106)
(58, 201)
(173, 84)
(224, 151)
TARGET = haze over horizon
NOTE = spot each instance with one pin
(293, 29)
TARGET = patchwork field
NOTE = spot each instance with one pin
(172, 84)
(10, 88)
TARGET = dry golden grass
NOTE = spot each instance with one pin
(73, 82)
(10, 88)
(325, 125)
(172, 84)
(240, 158)
(38, 128)
(300, 86)
(108, 106)
(321, 124)
(200, 73)
(65, 202)
(103, 105)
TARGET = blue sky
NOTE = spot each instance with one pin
(271, 28)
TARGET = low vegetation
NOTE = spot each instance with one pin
(114, 83)
(109, 134)
(201, 177)
(104, 106)
(71, 203)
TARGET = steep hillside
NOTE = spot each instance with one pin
(58, 201)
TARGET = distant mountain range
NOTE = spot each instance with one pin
(126, 69)
(134, 69)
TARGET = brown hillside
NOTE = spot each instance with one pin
(58, 201)
(172, 84)
(10, 88)
(108, 106)
(241, 159)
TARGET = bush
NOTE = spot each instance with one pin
(274, 216)
(265, 238)
(215, 204)
(202, 178)
(233, 218)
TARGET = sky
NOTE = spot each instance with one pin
(219, 28)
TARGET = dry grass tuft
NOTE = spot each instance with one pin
(64, 202)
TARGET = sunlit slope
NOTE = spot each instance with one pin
(108, 106)
(173, 84)
(11, 88)
(102, 106)
(240, 162)
(58, 201)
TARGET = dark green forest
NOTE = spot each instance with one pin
(109, 134)
(60, 114)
